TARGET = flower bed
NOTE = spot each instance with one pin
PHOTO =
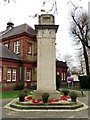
(65, 98)
(62, 98)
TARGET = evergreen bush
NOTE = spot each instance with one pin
(19, 86)
(45, 97)
(88, 84)
(84, 81)
(65, 92)
(33, 87)
(73, 96)
(22, 95)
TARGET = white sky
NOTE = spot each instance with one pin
(19, 13)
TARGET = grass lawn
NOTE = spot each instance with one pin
(12, 94)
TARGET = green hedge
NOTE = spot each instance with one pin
(88, 82)
(19, 86)
(84, 81)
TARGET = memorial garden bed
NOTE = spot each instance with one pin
(64, 103)
(29, 103)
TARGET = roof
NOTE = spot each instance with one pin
(6, 53)
(61, 64)
(17, 30)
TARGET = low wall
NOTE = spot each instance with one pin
(7, 86)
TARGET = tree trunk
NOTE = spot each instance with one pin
(86, 59)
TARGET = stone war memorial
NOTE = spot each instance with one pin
(46, 68)
(46, 75)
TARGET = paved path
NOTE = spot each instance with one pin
(47, 114)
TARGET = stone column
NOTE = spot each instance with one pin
(46, 57)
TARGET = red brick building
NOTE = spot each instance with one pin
(61, 69)
(18, 59)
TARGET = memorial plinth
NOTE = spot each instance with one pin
(46, 57)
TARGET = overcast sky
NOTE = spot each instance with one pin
(20, 11)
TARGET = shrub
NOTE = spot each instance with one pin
(45, 97)
(19, 86)
(88, 85)
(22, 95)
(65, 91)
(73, 96)
(33, 87)
(84, 81)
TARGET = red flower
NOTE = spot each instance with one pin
(50, 101)
(36, 101)
(68, 97)
(28, 98)
(64, 97)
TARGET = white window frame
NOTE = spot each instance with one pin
(28, 75)
(17, 47)
(9, 72)
(14, 72)
(29, 48)
(64, 76)
(58, 73)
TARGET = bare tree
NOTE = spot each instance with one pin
(8, 1)
(69, 60)
(58, 55)
(81, 61)
(79, 30)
